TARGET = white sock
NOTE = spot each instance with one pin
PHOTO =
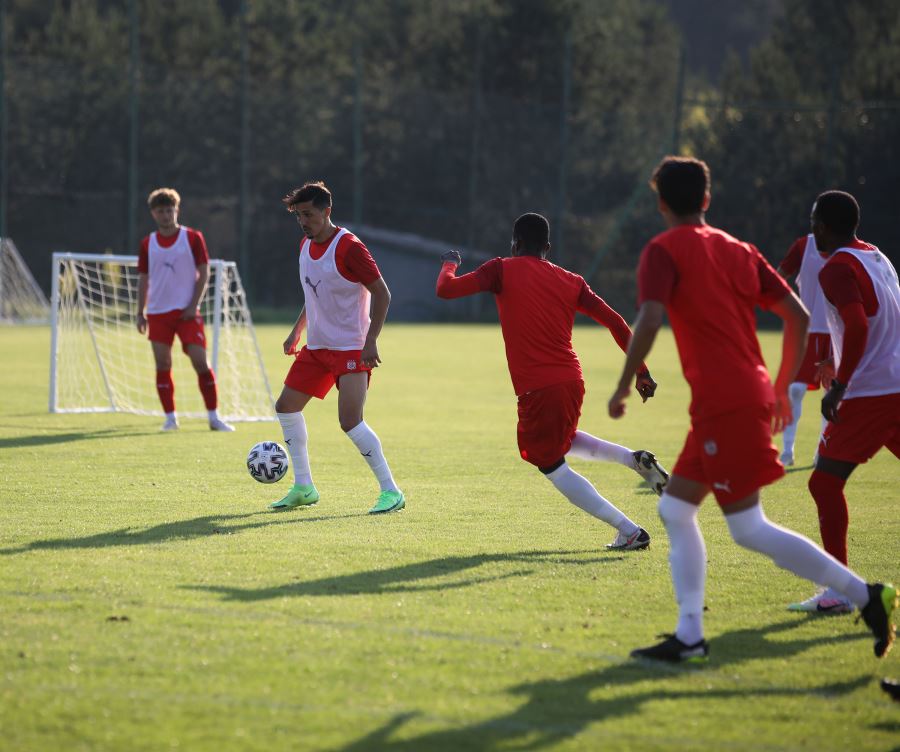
(687, 562)
(171, 416)
(589, 447)
(578, 489)
(293, 426)
(796, 391)
(751, 529)
(369, 447)
(213, 415)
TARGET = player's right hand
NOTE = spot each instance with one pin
(832, 400)
(290, 344)
(645, 385)
(454, 257)
(141, 323)
(782, 415)
(616, 405)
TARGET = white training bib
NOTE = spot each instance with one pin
(337, 310)
(810, 290)
(171, 274)
(878, 371)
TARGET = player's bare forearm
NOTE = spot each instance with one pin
(199, 289)
(648, 322)
(381, 301)
(141, 303)
(290, 344)
(793, 345)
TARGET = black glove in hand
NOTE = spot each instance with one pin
(454, 257)
(645, 385)
(832, 400)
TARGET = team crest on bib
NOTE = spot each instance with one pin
(351, 365)
(711, 448)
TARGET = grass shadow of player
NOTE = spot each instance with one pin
(48, 439)
(431, 574)
(555, 711)
(799, 469)
(199, 527)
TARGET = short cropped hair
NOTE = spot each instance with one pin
(838, 211)
(533, 233)
(309, 191)
(164, 197)
(682, 182)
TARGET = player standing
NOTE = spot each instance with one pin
(340, 279)
(709, 284)
(863, 403)
(804, 260)
(537, 302)
(173, 271)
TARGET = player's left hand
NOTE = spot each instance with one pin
(369, 355)
(832, 400)
(188, 314)
(825, 372)
(645, 385)
(454, 257)
(782, 415)
(616, 405)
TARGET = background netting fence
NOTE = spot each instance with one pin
(99, 361)
(21, 298)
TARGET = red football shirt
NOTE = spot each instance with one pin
(352, 258)
(710, 284)
(195, 240)
(791, 263)
(537, 302)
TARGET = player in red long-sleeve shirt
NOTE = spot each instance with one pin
(537, 302)
(863, 404)
(709, 283)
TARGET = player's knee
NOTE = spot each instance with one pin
(349, 423)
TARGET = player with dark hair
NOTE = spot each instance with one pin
(804, 260)
(173, 271)
(537, 302)
(862, 404)
(709, 283)
(340, 282)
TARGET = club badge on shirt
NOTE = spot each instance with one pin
(351, 365)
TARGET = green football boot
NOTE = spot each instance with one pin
(298, 496)
(389, 501)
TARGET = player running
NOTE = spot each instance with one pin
(804, 261)
(709, 284)
(863, 403)
(340, 281)
(173, 271)
(537, 302)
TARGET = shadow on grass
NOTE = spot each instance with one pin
(557, 710)
(200, 527)
(64, 438)
(798, 469)
(421, 576)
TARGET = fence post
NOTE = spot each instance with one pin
(563, 174)
(357, 131)
(679, 102)
(133, 73)
(4, 157)
(244, 188)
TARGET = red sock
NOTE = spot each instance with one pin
(207, 382)
(165, 388)
(834, 519)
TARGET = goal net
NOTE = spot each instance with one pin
(100, 363)
(21, 299)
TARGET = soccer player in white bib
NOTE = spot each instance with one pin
(804, 260)
(862, 405)
(173, 271)
(341, 283)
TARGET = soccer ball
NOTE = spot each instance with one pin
(267, 462)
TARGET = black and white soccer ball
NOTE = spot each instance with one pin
(267, 462)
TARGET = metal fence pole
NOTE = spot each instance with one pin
(133, 74)
(679, 103)
(4, 157)
(244, 188)
(563, 175)
(357, 132)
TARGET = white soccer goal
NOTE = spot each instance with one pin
(100, 363)
(21, 299)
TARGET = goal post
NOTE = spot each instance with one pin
(21, 299)
(100, 363)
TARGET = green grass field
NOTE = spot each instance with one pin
(149, 601)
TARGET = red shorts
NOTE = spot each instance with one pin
(314, 372)
(818, 348)
(732, 453)
(548, 419)
(162, 327)
(865, 424)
